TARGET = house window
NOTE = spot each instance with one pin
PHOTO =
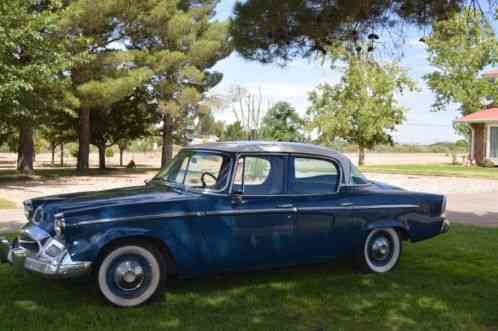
(493, 142)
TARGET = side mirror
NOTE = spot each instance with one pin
(147, 181)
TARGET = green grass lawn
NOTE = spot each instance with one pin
(447, 283)
(6, 204)
(434, 170)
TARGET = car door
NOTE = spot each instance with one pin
(258, 217)
(322, 213)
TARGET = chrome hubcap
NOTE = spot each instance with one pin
(129, 275)
(381, 249)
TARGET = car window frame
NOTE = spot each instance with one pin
(231, 167)
(335, 162)
(288, 157)
(238, 156)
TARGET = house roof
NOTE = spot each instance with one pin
(493, 73)
(488, 115)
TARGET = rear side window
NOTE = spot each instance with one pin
(313, 176)
(259, 175)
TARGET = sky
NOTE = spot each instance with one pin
(294, 82)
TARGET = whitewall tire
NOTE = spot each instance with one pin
(381, 250)
(130, 275)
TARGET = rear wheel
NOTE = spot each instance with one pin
(381, 251)
(130, 275)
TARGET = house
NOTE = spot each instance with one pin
(484, 142)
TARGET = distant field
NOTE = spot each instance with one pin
(433, 170)
(153, 159)
(6, 204)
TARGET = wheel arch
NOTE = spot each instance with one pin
(398, 225)
(158, 243)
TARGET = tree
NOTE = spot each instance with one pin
(460, 49)
(207, 125)
(32, 59)
(282, 123)
(126, 120)
(248, 109)
(164, 45)
(58, 128)
(234, 131)
(271, 30)
(362, 108)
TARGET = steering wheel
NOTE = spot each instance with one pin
(207, 174)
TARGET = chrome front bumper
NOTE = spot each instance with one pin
(52, 258)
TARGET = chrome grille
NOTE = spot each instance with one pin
(25, 241)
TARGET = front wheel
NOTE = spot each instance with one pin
(381, 251)
(130, 275)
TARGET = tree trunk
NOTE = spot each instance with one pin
(361, 156)
(84, 140)
(167, 148)
(121, 154)
(253, 134)
(26, 149)
(101, 156)
(52, 148)
(62, 155)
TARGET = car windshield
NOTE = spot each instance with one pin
(357, 177)
(198, 170)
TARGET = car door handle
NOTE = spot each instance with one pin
(346, 204)
(284, 206)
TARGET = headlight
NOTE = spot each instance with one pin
(59, 224)
(28, 209)
(37, 216)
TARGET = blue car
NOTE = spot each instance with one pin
(233, 206)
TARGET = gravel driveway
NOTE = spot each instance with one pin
(470, 201)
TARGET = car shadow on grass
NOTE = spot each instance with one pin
(446, 284)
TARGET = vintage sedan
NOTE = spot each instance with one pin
(223, 207)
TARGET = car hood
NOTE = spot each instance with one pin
(88, 202)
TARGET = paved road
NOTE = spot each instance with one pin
(479, 209)
(474, 208)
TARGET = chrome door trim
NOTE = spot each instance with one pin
(233, 212)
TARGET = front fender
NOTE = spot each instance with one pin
(178, 236)
(88, 249)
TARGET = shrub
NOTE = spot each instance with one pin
(74, 151)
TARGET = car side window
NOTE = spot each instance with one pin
(259, 175)
(313, 176)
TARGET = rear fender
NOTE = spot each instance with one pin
(396, 224)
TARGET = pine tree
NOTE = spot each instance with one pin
(163, 45)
